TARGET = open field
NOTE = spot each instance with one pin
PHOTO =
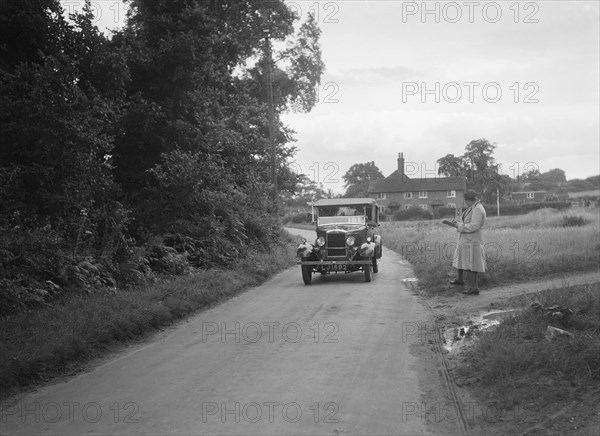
(518, 248)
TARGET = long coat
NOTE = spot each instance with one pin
(470, 252)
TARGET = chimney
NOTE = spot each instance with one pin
(401, 165)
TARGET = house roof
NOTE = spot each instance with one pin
(344, 201)
(396, 183)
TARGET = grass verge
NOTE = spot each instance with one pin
(57, 340)
(545, 384)
(535, 249)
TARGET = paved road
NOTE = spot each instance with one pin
(282, 358)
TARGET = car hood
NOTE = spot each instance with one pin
(344, 227)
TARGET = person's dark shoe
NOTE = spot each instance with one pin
(457, 282)
(471, 291)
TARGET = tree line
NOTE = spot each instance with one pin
(134, 153)
(478, 166)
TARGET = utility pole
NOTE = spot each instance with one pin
(271, 117)
(497, 201)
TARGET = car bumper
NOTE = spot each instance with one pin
(333, 262)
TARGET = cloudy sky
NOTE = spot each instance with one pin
(427, 81)
(426, 78)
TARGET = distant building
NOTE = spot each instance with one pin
(523, 197)
(398, 191)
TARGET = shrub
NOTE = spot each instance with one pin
(298, 218)
(444, 212)
(166, 260)
(573, 221)
(414, 212)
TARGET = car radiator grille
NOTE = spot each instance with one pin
(336, 244)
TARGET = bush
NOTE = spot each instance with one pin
(414, 212)
(166, 260)
(573, 221)
(445, 212)
(298, 218)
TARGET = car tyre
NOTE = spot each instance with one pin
(306, 274)
(375, 266)
(367, 270)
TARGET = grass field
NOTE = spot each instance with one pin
(531, 383)
(518, 248)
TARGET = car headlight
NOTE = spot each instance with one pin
(350, 240)
(320, 241)
(368, 239)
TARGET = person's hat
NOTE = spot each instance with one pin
(470, 195)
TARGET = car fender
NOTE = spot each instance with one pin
(367, 249)
(304, 250)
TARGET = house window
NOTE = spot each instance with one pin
(451, 194)
(422, 194)
(453, 205)
(381, 196)
(423, 206)
(530, 195)
(408, 195)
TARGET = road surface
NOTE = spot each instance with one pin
(337, 357)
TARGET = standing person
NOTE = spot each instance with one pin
(470, 253)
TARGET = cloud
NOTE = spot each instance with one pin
(425, 135)
(554, 61)
(372, 75)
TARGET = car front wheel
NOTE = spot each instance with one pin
(306, 274)
(367, 270)
(375, 266)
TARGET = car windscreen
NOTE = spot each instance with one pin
(324, 220)
(331, 211)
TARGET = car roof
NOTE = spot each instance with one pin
(345, 201)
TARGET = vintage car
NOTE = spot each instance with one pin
(346, 239)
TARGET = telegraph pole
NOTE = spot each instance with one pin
(271, 117)
(497, 201)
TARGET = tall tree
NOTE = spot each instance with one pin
(451, 166)
(60, 94)
(555, 175)
(61, 90)
(478, 165)
(195, 134)
(479, 155)
(358, 177)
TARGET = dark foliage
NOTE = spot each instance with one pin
(412, 213)
(445, 212)
(144, 153)
(573, 221)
